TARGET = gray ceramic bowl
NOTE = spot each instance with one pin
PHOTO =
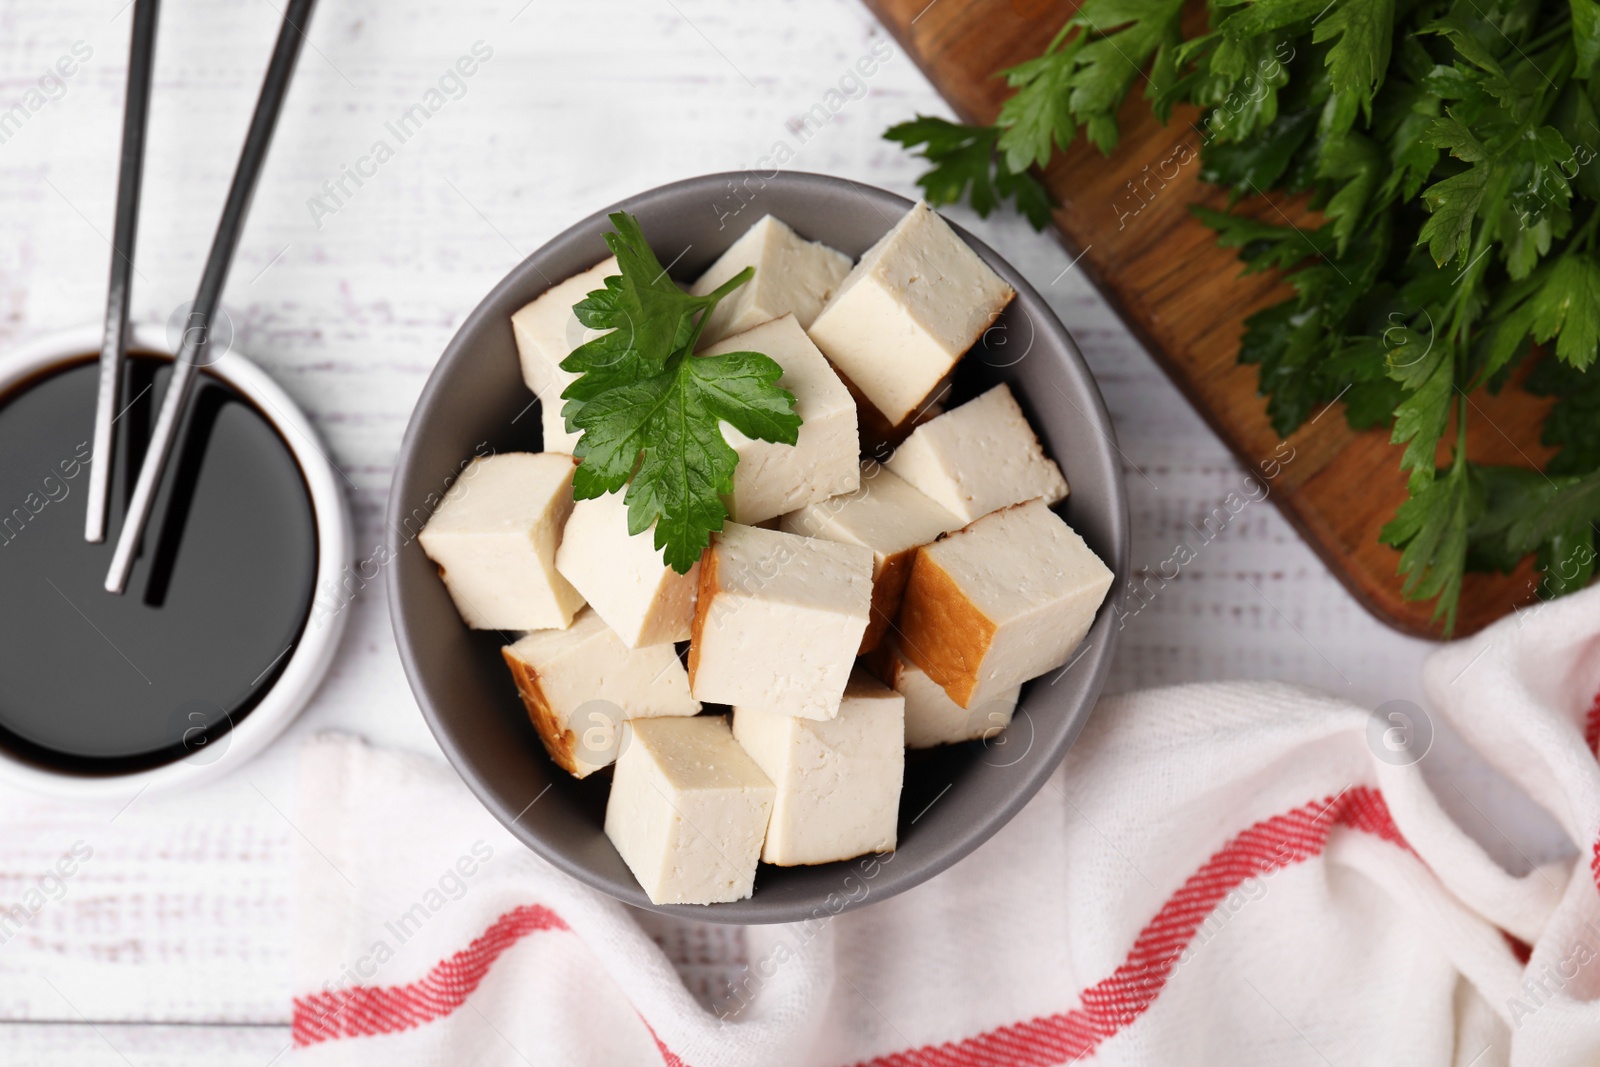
(955, 797)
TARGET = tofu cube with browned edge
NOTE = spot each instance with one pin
(688, 810)
(793, 277)
(886, 515)
(547, 331)
(622, 576)
(838, 781)
(495, 536)
(580, 684)
(774, 478)
(979, 457)
(1000, 601)
(907, 312)
(879, 436)
(932, 718)
(777, 620)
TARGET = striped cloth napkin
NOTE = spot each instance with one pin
(1219, 874)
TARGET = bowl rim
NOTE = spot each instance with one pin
(313, 653)
(1103, 631)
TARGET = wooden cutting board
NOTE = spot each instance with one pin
(1183, 296)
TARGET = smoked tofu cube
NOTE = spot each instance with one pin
(793, 277)
(908, 312)
(886, 515)
(778, 620)
(553, 428)
(644, 601)
(547, 331)
(879, 436)
(688, 810)
(979, 457)
(838, 782)
(774, 478)
(494, 538)
(579, 685)
(932, 718)
(1000, 601)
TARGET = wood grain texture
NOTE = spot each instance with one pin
(80, 1044)
(182, 914)
(1184, 297)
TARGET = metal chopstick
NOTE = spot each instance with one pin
(186, 363)
(136, 108)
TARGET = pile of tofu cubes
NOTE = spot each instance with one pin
(889, 581)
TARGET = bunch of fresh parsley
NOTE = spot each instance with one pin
(650, 409)
(1450, 146)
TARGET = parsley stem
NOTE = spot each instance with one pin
(1583, 239)
(1562, 28)
(1477, 262)
(709, 302)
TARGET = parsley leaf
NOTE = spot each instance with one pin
(1567, 308)
(1568, 560)
(1586, 34)
(1356, 160)
(1573, 424)
(669, 423)
(648, 316)
(1454, 202)
(1567, 512)
(1510, 493)
(1263, 245)
(650, 411)
(1116, 38)
(1358, 59)
(1453, 134)
(1039, 117)
(1431, 530)
(1260, 162)
(1453, 151)
(967, 164)
(1420, 419)
(1528, 511)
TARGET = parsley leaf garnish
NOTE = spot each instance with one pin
(1360, 54)
(1453, 151)
(966, 164)
(650, 410)
(1431, 527)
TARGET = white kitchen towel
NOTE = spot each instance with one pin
(1219, 874)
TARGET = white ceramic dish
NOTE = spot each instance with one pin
(311, 656)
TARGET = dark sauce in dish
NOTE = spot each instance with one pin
(92, 683)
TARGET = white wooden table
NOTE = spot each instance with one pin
(170, 946)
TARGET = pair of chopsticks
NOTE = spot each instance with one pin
(191, 352)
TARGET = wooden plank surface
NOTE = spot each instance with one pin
(82, 1044)
(1183, 296)
(179, 923)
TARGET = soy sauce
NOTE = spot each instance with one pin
(92, 683)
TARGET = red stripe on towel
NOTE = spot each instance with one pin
(1591, 737)
(360, 1011)
(1106, 1007)
(1113, 1003)
(1591, 727)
